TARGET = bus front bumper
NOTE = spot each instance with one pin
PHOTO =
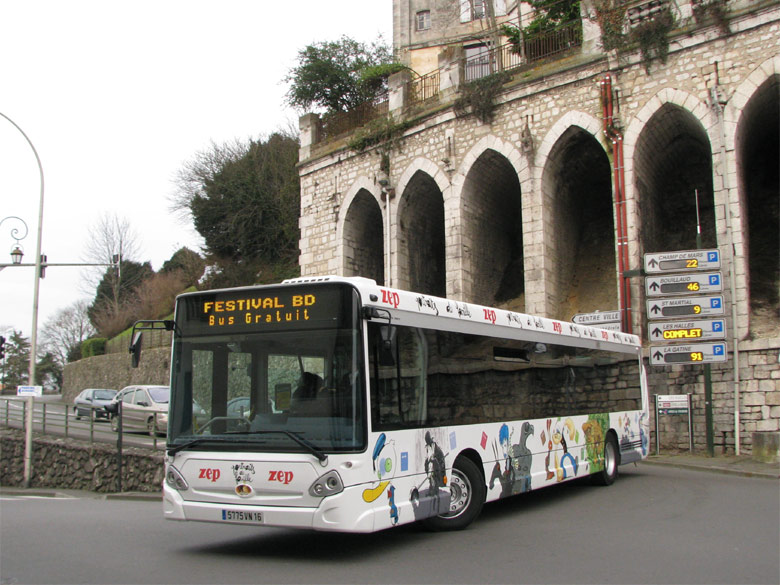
(335, 513)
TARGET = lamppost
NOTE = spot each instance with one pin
(34, 329)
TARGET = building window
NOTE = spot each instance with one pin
(424, 20)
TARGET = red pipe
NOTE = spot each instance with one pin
(621, 216)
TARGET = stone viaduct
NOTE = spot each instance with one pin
(589, 162)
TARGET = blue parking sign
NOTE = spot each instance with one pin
(718, 349)
(712, 256)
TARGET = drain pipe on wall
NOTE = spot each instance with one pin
(717, 102)
(614, 135)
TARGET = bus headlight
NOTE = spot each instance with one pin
(326, 485)
(175, 479)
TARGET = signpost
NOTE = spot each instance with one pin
(694, 353)
(702, 282)
(671, 404)
(685, 307)
(609, 320)
(682, 261)
(691, 272)
(700, 329)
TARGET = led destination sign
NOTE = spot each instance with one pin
(257, 310)
(263, 309)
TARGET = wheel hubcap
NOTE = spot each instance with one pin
(460, 494)
(610, 462)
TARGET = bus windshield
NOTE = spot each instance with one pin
(259, 373)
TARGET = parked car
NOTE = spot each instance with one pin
(144, 408)
(91, 402)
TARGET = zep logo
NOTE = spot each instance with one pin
(391, 298)
(284, 477)
(210, 474)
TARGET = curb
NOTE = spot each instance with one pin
(769, 474)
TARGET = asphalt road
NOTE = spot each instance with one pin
(655, 525)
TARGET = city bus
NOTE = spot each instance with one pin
(338, 404)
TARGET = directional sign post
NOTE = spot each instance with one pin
(685, 307)
(700, 329)
(694, 353)
(597, 318)
(702, 282)
(682, 261)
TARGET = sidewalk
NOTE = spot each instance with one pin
(742, 465)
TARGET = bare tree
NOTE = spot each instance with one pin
(112, 239)
(63, 333)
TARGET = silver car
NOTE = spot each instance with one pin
(90, 403)
(144, 408)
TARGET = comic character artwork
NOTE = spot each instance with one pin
(632, 433)
(566, 465)
(384, 463)
(433, 499)
(594, 429)
(515, 477)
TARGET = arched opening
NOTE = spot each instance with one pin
(363, 238)
(578, 183)
(421, 236)
(673, 168)
(493, 232)
(758, 163)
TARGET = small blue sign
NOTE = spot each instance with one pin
(404, 461)
(712, 256)
(718, 349)
(715, 302)
(717, 325)
(714, 279)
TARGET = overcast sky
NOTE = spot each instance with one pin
(116, 96)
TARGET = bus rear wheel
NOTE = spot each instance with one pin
(467, 495)
(609, 473)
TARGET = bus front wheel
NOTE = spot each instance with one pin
(467, 495)
(609, 473)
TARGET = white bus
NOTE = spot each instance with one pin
(337, 404)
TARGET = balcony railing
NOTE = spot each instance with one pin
(342, 123)
(424, 87)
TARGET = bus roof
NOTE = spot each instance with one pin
(422, 305)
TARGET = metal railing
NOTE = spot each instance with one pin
(424, 87)
(58, 419)
(341, 123)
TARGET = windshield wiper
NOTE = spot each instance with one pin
(310, 447)
(176, 448)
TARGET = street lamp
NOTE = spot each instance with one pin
(34, 328)
(16, 255)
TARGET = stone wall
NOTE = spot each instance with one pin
(69, 464)
(114, 371)
(759, 396)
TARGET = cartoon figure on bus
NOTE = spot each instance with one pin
(594, 440)
(557, 438)
(434, 499)
(516, 475)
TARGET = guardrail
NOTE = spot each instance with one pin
(57, 418)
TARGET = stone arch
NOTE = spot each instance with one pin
(757, 152)
(670, 153)
(360, 232)
(576, 187)
(490, 213)
(420, 231)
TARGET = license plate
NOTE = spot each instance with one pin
(238, 516)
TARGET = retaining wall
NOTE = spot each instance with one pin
(69, 464)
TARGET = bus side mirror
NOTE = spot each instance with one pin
(135, 348)
(386, 357)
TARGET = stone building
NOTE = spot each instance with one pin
(538, 178)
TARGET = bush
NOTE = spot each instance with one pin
(93, 347)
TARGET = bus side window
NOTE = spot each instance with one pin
(398, 385)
